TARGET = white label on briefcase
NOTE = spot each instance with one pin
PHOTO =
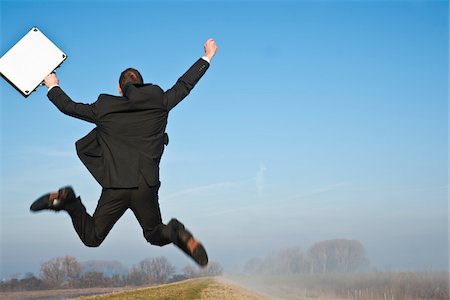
(29, 61)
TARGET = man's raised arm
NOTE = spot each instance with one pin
(187, 82)
(63, 102)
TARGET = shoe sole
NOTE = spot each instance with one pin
(193, 247)
(65, 195)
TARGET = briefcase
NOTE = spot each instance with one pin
(29, 61)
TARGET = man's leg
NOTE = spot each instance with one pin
(92, 230)
(145, 206)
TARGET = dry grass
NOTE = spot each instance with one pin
(188, 289)
(222, 290)
(201, 288)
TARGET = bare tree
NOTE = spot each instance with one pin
(135, 276)
(51, 273)
(151, 270)
(214, 268)
(59, 271)
(254, 266)
(289, 261)
(161, 270)
(337, 256)
(71, 268)
(318, 258)
(189, 271)
(94, 279)
(107, 267)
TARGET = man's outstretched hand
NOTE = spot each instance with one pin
(51, 80)
(210, 48)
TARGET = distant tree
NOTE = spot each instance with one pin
(118, 280)
(11, 285)
(294, 260)
(162, 269)
(289, 261)
(253, 266)
(52, 272)
(213, 268)
(317, 257)
(27, 283)
(109, 268)
(135, 276)
(59, 271)
(189, 271)
(151, 270)
(94, 279)
(71, 268)
(31, 283)
(337, 256)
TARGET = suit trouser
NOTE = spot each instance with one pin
(113, 203)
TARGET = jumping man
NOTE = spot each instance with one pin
(123, 153)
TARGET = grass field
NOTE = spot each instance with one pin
(190, 289)
(194, 289)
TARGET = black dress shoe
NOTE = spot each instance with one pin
(54, 201)
(188, 244)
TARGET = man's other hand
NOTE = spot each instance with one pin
(51, 80)
(210, 48)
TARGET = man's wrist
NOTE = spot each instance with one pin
(52, 86)
(206, 58)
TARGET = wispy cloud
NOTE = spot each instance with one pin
(231, 211)
(260, 179)
(53, 152)
(42, 152)
(324, 189)
(285, 207)
(427, 188)
(201, 189)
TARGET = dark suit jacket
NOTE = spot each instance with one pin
(130, 135)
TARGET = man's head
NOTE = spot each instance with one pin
(129, 76)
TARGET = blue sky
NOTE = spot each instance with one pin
(316, 120)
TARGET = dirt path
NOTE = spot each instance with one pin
(220, 289)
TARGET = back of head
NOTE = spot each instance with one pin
(130, 76)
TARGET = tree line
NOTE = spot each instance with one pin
(66, 272)
(331, 256)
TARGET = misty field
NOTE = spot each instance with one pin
(364, 286)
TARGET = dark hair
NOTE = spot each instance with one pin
(130, 76)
